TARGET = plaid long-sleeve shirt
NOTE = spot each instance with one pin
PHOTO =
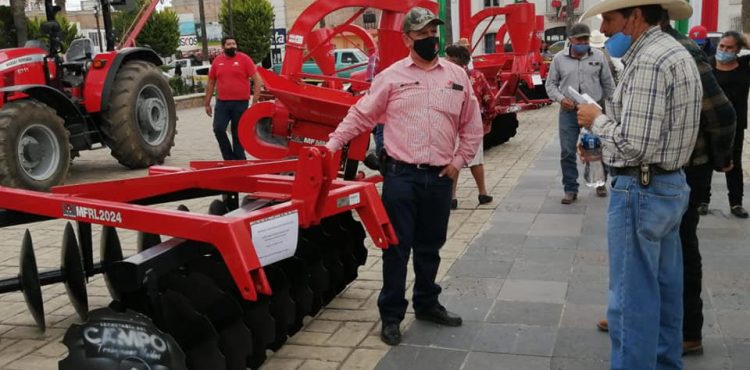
(654, 114)
(718, 119)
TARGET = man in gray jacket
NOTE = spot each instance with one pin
(586, 70)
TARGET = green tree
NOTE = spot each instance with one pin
(161, 32)
(18, 9)
(253, 20)
(68, 34)
(7, 29)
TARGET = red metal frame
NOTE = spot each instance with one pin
(312, 192)
(505, 70)
(301, 113)
(140, 21)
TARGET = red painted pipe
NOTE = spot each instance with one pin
(710, 15)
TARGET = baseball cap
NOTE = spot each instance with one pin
(579, 30)
(418, 18)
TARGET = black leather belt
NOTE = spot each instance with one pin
(643, 172)
(420, 166)
(635, 171)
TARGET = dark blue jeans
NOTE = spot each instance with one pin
(569, 131)
(224, 112)
(378, 138)
(418, 204)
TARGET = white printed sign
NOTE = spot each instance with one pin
(537, 79)
(275, 238)
(296, 39)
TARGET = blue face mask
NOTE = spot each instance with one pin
(580, 49)
(618, 44)
(725, 56)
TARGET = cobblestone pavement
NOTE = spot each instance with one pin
(544, 263)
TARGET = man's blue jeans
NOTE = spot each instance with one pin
(569, 131)
(229, 111)
(645, 271)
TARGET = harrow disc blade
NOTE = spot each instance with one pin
(256, 315)
(87, 247)
(283, 308)
(330, 257)
(146, 241)
(258, 318)
(73, 272)
(356, 237)
(235, 339)
(193, 331)
(338, 237)
(110, 251)
(29, 278)
(299, 278)
(320, 279)
(183, 208)
(217, 208)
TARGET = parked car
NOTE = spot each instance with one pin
(553, 49)
(187, 66)
(200, 75)
(344, 58)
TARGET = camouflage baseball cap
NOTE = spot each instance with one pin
(418, 18)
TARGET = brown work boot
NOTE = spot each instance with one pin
(692, 347)
(569, 198)
(601, 191)
(602, 325)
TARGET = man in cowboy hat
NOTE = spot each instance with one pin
(648, 134)
(712, 151)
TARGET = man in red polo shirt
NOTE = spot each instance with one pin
(231, 73)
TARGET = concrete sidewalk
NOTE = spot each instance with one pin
(533, 282)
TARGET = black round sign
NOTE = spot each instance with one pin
(112, 340)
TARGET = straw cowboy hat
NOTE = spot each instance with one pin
(597, 39)
(678, 9)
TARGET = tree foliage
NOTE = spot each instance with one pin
(68, 34)
(7, 28)
(253, 22)
(18, 11)
(161, 32)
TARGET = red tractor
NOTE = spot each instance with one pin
(56, 105)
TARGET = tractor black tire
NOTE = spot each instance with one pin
(136, 141)
(46, 150)
(504, 127)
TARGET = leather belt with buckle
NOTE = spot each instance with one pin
(643, 172)
(418, 166)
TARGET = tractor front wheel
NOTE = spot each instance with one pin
(34, 147)
(140, 121)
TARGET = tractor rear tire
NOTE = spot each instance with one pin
(140, 121)
(36, 132)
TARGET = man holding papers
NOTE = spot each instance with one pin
(585, 71)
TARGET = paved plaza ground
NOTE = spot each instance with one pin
(528, 274)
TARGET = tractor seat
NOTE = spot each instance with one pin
(78, 54)
(79, 51)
